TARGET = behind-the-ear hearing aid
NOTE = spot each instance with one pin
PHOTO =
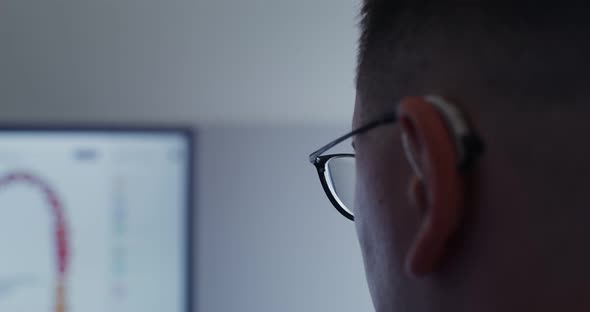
(468, 144)
(61, 241)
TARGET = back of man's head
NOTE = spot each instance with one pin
(512, 236)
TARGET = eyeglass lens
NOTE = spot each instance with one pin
(341, 178)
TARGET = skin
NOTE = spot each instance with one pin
(509, 235)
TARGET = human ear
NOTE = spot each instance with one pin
(437, 186)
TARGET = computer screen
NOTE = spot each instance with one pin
(95, 220)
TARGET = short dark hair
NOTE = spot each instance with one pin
(388, 26)
(379, 17)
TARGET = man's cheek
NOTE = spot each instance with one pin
(366, 231)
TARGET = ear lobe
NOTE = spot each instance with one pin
(435, 157)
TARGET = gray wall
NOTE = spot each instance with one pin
(205, 61)
(269, 240)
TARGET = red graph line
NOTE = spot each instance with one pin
(57, 209)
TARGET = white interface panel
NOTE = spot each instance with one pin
(94, 221)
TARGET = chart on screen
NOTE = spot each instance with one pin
(25, 281)
(92, 222)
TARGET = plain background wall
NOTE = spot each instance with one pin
(213, 64)
(207, 61)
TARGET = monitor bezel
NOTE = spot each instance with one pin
(186, 131)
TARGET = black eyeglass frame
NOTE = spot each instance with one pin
(321, 166)
(320, 162)
(469, 145)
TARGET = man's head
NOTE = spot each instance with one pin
(509, 233)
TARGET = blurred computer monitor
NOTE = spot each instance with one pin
(95, 219)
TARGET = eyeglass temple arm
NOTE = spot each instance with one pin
(389, 118)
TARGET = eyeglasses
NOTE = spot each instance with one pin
(337, 172)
